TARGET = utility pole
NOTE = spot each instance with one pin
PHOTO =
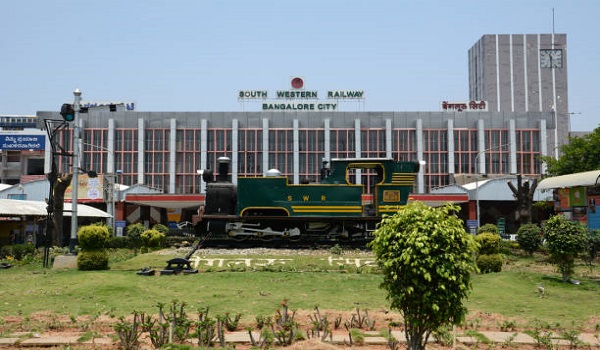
(75, 166)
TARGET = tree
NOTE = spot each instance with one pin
(580, 154)
(59, 237)
(565, 240)
(523, 193)
(529, 237)
(134, 234)
(427, 259)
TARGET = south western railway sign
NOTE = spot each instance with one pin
(299, 99)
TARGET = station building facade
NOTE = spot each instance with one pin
(165, 150)
(517, 111)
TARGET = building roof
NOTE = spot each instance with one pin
(166, 200)
(588, 178)
(439, 199)
(495, 189)
(14, 207)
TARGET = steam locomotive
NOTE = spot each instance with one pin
(346, 204)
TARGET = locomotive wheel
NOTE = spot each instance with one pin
(295, 238)
(266, 238)
(238, 238)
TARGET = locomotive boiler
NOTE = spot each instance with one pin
(346, 204)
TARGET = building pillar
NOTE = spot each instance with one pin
(480, 158)
(358, 149)
(110, 147)
(141, 156)
(265, 140)
(543, 145)
(472, 208)
(203, 151)
(388, 139)
(327, 140)
(172, 155)
(450, 146)
(296, 154)
(234, 151)
(420, 157)
(512, 136)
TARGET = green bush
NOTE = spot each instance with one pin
(488, 228)
(92, 260)
(134, 233)
(161, 228)
(593, 246)
(92, 237)
(17, 251)
(152, 238)
(489, 243)
(118, 242)
(529, 237)
(489, 263)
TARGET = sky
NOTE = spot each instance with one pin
(194, 55)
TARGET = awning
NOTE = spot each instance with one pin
(588, 178)
(174, 201)
(437, 200)
(14, 207)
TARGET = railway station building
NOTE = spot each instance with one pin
(516, 111)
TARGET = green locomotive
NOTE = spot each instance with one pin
(347, 203)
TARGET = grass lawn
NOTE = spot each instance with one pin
(235, 285)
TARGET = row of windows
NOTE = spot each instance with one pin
(157, 155)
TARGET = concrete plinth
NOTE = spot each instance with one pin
(65, 262)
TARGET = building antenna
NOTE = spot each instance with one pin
(553, 22)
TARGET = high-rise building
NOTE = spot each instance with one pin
(523, 73)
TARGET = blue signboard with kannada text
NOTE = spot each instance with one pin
(21, 142)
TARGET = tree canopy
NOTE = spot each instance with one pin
(580, 154)
(565, 240)
(427, 258)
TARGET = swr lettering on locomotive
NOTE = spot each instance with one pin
(306, 198)
(391, 196)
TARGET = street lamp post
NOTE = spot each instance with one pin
(75, 167)
(109, 188)
(477, 185)
(554, 114)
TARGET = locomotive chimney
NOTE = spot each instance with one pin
(223, 169)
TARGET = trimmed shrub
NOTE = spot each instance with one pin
(529, 237)
(489, 263)
(93, 237)
(92, 260)
(152, 238)
(489, 243)
(488, 228)
(161, 228)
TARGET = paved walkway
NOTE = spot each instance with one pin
(24, 340)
